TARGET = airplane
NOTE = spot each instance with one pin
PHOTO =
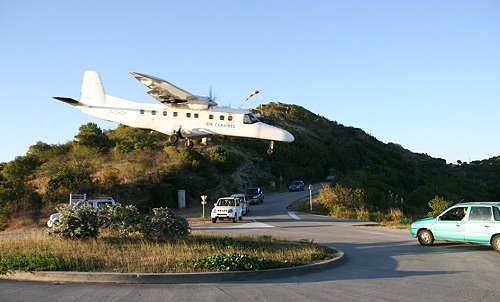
(180, 114)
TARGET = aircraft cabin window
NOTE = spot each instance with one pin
(196, 115)
(230, 118)
(188, 114)
(175, 113)
(165, 113)
(211, 116)
(142, 111)
(153, 112)
(221, 117)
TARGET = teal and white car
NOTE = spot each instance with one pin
(471, 222)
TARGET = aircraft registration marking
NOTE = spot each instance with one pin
(117, 112)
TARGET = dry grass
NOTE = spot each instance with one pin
(141, 256)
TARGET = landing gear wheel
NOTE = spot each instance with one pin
(189, 144)
(425, 237)
(174, 138)
(214, 220)
(241, 218)
(234, 219)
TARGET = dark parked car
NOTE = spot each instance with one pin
(254, 195)
(297, 185)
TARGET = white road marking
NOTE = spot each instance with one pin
(252, 225)
(292, 214)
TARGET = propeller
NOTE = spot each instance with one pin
(211, 96)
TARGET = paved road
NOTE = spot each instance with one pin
(382, 265)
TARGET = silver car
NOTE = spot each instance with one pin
(245, 204)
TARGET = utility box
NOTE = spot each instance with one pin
(181, 198)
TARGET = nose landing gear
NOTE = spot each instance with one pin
(270, 151)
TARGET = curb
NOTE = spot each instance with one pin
(176, 278)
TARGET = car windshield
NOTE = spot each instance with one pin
(295, 183)
(225, 202)
(252, 191)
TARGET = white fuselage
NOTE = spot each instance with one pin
(193, 123)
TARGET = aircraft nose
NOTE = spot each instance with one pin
(288, 137)
(283, 136)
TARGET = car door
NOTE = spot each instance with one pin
(451, 224)
(479, 224)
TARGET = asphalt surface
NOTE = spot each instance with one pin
(380, 265)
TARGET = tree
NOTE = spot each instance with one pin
(438, 205)
(91, 136)
(128, 139)
(224, 160)
(21, 167)
(68, 179)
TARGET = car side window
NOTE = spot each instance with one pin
(496, 213)
(480, 214)
(455, 214)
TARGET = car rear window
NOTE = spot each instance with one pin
(480, 214)
(496, 213)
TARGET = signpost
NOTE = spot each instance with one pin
(310, 198)
(203, 202)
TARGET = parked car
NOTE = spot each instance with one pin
(96, 203)
(471, 222)
(245, 204)
(297, 185)
(254, 195)
(227, 207)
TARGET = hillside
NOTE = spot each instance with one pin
(142, 168)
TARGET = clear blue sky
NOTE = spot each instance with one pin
(422, 74)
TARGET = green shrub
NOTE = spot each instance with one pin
(224, 160)
(121, 220)
(236, 262)
(362, 214)
(166, 225)
(31, 262)
(192, 159)
(377, 216)
(76, 223)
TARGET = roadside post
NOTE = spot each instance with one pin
(310, 198)
(203, 202)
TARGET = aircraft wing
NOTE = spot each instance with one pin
(162, 90)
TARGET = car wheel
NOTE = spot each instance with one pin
(241, 218)
(425, 237)
(214, 220)
(495, 243)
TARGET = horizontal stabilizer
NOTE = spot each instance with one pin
(70, 101)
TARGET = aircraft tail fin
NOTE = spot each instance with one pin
(92, 89)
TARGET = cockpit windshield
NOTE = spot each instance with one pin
(249, 118)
